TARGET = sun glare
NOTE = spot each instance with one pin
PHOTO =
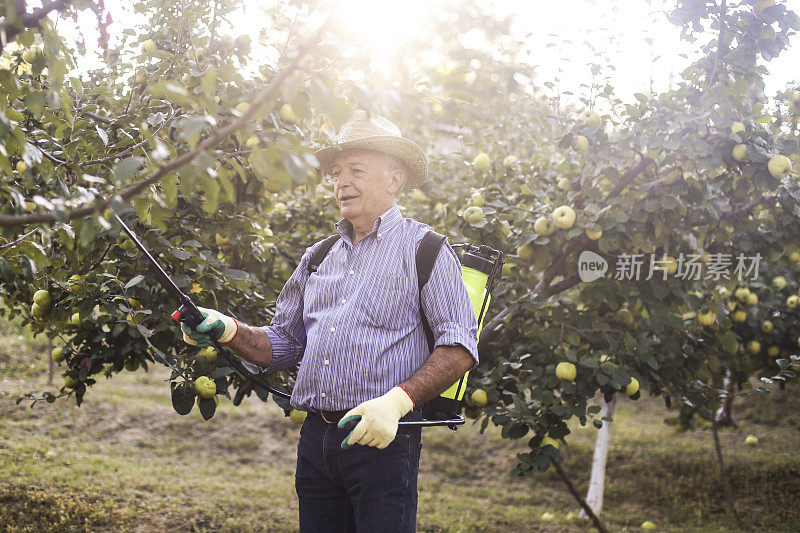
(381, 26)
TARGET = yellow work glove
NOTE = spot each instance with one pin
(378, 419)
(214, 324)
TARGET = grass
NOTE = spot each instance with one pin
(125, 461)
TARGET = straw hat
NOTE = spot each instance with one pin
(376, 133)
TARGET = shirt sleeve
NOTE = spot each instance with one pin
(287, 332)
(447, 305)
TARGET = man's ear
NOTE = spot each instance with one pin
(396, 180)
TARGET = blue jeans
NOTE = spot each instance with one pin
(361, 489)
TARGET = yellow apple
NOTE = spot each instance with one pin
(706, 318)
(632, 387)
(737, 127)
(297, 416)
(564, 184)
(754, 347)
(779, 282)
(510, 161)
(773, 351)
(751, 440)
(739, 316)
(252, 141)
(766, 326)
(794, 258)
(242, 107)
(43, 299)
(793, 301)
(525, 252)
(57, 354)
(21, 167)
(479, 398)
(476, 199)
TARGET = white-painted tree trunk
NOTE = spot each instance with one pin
(597, 482)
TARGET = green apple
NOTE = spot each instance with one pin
(43, 299)
(751, 440)
(766, 326)
(739, 316)
(754, 347)
(510, 161)
(287, 114)
(564, 217)
(779, 282)
(210, 353)
(793, 301)
(647, 524)
(671, 265)
(564, 184)
(773, 351)
(566, 371)
(32, 55)
(737, 127)
(752, 299)
(779, 166)
(21, 167)
(740, 153)
(479, 398)
(297, 416)
(525, 252)
(594, 235)
(482, 162)
(591, 119)
(742, 294)
(75, 319)
(706, 318)
(544, 226)
(632, 387)
(205, 387)
(57, 354)
(70, 382)
(473, 214)
(149, 47)
(580, 143)
(37, 311)
(794, 258)
(476, 199)
(505, 228)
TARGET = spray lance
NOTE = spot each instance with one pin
(188, 313)
(481, 267)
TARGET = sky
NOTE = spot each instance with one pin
(563, 37)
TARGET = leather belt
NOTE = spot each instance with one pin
(331, 417)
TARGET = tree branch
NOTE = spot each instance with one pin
(12, 243)
(565, 478)
(11, 28)
(221, 134)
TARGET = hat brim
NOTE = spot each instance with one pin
(407, 151)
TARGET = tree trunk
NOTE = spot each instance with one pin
(50, 367)
(723, 416)
(594, 496)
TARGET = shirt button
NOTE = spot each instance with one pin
(327, 361)
(344, 300)
(323, 394)
(333, 329)
(379, 235)
(352, 272)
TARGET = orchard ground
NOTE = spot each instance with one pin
(124, 461)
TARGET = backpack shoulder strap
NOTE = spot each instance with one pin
(427, 252)
(319, 254)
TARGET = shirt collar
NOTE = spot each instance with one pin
(386, 222)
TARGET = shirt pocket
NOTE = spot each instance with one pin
(390, 302)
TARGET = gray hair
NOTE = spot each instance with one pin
(392, 164)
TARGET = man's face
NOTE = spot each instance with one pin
(362, 189)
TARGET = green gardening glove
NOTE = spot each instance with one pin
(215, 325)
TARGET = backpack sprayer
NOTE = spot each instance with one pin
(481, 267)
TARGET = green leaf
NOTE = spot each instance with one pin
(207, 407)
(183, 398)
(127, 168)
(135, 281)
(236, 274)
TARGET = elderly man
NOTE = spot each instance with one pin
(355, 327)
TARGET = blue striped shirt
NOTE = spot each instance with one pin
(355, 325)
